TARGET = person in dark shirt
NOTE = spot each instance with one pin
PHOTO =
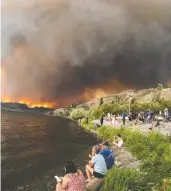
(123, 117)
(86, 120)
(108, 154)
(101, 120)
(151, 115)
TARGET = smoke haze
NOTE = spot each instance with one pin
(55, 49)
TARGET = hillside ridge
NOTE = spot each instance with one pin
(126, 97)
(140, 96)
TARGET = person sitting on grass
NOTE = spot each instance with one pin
(97, 165)
(73, 180)
(119, 141)
(108, 154)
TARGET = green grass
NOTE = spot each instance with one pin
(154, 151)
(124, 179)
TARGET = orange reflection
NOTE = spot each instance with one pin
(30, 103)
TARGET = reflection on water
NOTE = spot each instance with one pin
(35, 147)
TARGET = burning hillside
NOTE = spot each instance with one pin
(103, 90)
(57, 52)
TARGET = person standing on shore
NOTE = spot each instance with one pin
(108, 115)
(113, 120)
(101, 120)
(166, 114)
(123, 117)
(86, 120)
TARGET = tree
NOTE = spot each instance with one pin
(95, 113)
(107, 108)
(101, 101)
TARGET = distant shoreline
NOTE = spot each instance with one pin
(29, 111)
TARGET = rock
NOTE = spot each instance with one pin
(118, 164)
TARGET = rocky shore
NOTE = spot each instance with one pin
(124, 159)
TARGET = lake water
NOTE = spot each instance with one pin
(34, 148)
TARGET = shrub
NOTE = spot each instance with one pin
(106, 108)
(60, 112)
(166, 185)
(124, 179)
(154, 106)
(78, 113)
(114, 108)
(84, 106)
(165, 103)
(136, 107)
(95, 113)
(89, 126)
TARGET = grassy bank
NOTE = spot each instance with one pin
(154, 151)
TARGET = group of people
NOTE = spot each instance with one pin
(141, 117)
(102, 159)
(114, 118)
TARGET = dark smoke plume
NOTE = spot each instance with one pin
(54, 49)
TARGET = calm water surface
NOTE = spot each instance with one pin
(35, 147)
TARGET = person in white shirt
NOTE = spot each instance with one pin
(108, 115)
(113, 120)
(166, 113)
(119, 142)
(97, 165)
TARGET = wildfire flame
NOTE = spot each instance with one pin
(89, 93)
(113, 86)
(30, 102)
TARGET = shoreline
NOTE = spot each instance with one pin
(129, 158)
(123, 157)
(142, 157)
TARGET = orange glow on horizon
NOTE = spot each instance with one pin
(106, 89)
(31, 104)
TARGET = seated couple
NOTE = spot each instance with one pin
(74, 179)
(102, 159)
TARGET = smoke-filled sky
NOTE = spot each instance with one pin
(53, 49)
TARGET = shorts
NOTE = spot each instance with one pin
(98, 175)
